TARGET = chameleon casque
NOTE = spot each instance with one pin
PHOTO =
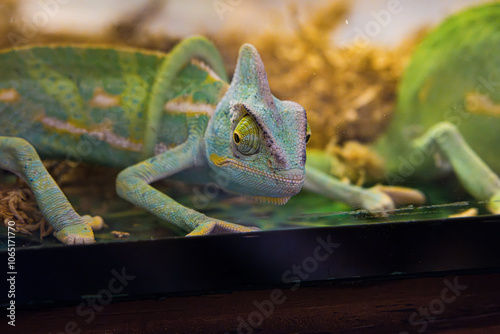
(158, 115)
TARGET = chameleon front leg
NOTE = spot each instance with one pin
(19, 157)
(474, 175)
(132, 184)
(373, 200)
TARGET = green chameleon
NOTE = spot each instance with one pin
(448, 108)
(159, 115)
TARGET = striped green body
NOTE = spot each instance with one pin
(101, 104)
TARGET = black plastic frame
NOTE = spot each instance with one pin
(225, 263)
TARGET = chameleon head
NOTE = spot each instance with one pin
(256, 144)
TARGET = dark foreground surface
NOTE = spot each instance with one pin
(432, 275)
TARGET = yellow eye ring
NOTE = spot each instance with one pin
(246, 136)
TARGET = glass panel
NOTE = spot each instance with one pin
(396, 93)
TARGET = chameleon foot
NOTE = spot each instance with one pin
(214, 226)
(76, 234)
(494, 204)
(376, 202)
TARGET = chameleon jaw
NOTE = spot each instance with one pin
(220, 161)
(291, 184)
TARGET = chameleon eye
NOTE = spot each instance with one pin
(308, 133)
(246, 136)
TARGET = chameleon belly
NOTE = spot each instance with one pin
(94, 103)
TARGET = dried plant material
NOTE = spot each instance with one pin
(130, 27)
(120, 235)
(356, 162)
(8, 10)
(326, 18)
(18, 204)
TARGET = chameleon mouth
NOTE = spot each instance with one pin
(294, 181)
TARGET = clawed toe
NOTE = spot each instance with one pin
(78, 234)
(377, 203)
(221, 227)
